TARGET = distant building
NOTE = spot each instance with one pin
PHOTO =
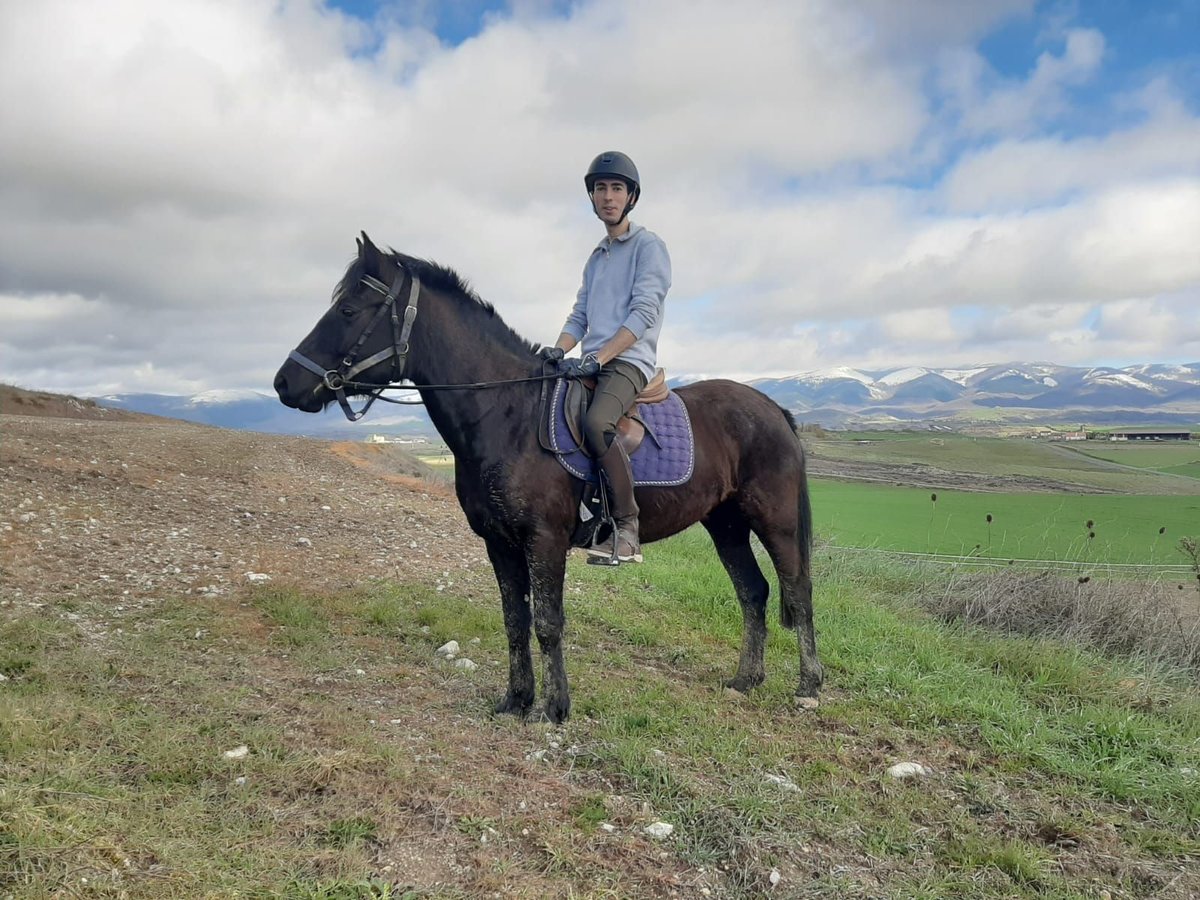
(1080, 435)
(1150, 434)
(389, 439)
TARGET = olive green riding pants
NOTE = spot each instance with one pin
(617, 385)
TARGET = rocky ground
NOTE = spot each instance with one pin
(133, 509)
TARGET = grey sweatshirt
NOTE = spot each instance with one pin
(625, 283)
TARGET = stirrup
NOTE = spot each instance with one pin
(596, 555)
(599, 555)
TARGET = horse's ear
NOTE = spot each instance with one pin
(368, 253)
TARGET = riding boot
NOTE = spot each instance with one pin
(618, 473)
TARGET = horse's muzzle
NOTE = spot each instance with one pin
(290, 397)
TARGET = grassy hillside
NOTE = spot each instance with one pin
(373, 769)
(17, 401)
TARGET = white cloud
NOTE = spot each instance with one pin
(988, 104)
(181, 184)
(1014, 174)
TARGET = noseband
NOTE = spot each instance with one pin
(337, 380)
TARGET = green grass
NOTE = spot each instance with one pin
(1053, 769)
(994, 716)
(1126, 528)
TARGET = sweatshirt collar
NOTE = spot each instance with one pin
(606, 242)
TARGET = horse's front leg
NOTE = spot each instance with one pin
(546, 558)
(512, 575)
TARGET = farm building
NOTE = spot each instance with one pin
(1080, 435)
(1150, 434)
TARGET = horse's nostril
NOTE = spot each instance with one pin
(280, 384)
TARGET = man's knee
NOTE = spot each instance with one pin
(597, 434)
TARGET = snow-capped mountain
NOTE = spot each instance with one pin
(1008, 392)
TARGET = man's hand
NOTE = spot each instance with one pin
(589, 366)
(568, 368)
(550, 354)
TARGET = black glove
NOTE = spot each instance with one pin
(568, 368)
(550, 354)
(589, 366)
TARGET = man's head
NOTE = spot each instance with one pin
(614, 186)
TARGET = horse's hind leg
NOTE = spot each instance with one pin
(512, 575)
(795, 605)
(731, 535)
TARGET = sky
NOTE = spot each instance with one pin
(855, 183)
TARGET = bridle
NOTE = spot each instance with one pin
(337, 380)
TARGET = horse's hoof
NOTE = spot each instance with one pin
(557, 713)
(743, 684)
(513, 706)
(807, 703)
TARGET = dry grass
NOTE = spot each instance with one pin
(1158, 621)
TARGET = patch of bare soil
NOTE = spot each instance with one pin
(128, 510)
(918, 475)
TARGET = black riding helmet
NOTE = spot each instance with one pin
(615, 164)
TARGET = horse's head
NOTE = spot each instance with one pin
(360, 343)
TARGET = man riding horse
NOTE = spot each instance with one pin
(617, 316)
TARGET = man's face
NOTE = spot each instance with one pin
(609, 196)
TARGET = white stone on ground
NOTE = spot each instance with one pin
(660, 830)
(907, 770)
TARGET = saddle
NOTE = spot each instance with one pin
(631, 427)
(666, 460)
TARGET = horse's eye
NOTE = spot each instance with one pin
(347, 311)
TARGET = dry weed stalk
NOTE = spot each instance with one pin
(1156, 620)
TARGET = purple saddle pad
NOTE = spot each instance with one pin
(667, 454)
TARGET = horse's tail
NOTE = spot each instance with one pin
(804, 531)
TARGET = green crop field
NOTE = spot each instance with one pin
(1026, 526)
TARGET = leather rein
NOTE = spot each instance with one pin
(337, 380)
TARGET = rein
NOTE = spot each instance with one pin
(337, 380)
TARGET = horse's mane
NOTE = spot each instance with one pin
(448, 282)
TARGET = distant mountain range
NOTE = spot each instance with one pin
(1007, 393)
(251, 410)
(1010, 393)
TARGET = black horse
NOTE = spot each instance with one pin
(749, 473)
